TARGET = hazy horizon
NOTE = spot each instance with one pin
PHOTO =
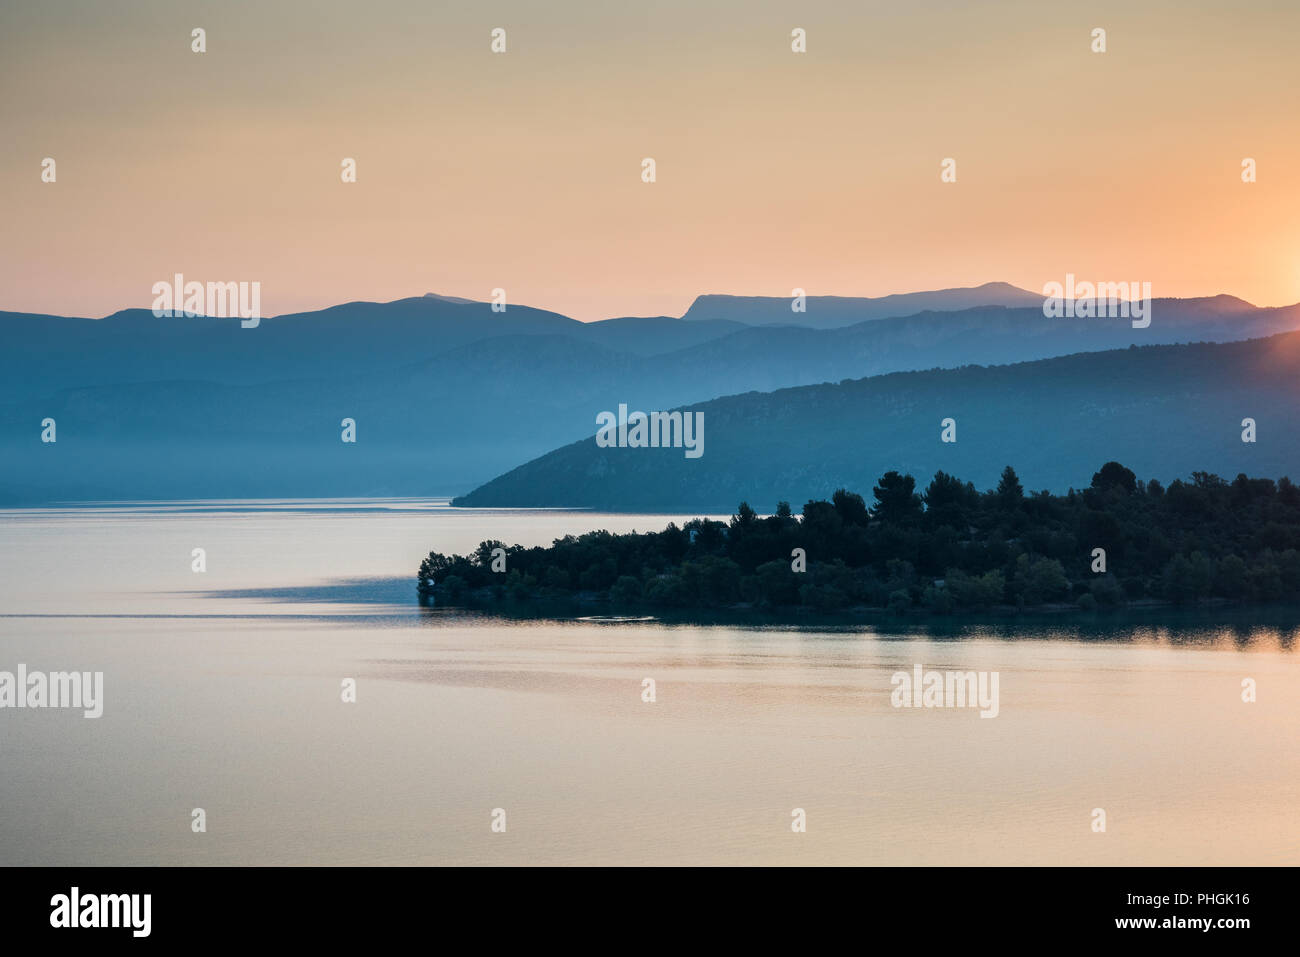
(485, 300)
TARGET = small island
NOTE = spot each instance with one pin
(949, 548)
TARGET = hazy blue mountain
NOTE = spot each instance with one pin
(828, 312)
(444, 423)
(767, 358)
(658, 334)
(44, 353)
(1163, 411)
(446, 394)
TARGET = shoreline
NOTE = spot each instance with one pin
(1156, 613)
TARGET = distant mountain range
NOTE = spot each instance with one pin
(832, 312)
(1163, 411)
(446, 393)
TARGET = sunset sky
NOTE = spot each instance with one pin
(522, 170)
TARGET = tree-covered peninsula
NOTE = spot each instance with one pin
(945, 548)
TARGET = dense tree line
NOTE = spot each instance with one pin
(944, 548)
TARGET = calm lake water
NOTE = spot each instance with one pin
(222, 692)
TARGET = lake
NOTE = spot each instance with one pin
(222, 691)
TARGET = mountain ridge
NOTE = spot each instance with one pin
(446, 394)
(1180, 409)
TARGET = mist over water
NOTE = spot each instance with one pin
(222, 691)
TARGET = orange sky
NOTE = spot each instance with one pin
(522, 170)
